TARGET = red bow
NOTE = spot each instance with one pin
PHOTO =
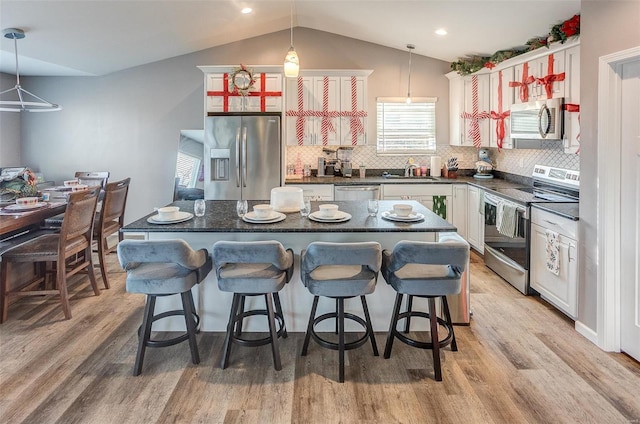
(524, 85)
(550, 78)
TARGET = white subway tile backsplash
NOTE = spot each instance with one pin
(518, 162)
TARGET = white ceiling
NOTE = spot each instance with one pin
(97, 37)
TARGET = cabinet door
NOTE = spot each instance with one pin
(456, 104)
(459, 209)
(326, 102)
(524, 73)
(572, 100)
(501, 100)
(551, 64)
(561, 289)
(475, 219)
(300, 98)
(353, 106)
(264, 97)
(476, 109)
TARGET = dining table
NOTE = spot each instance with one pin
(17, 222)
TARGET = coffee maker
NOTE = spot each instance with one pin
(344, 155)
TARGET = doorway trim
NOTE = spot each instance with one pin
(609, 185)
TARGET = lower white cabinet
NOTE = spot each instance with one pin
(459, 206)
(560, 290)
(475, 218)
(436, 197)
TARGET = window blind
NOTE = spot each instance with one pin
(406, 127)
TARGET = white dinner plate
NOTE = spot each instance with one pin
(340, 216)
(24, 208)
(182, 216)
(274, 217)
(392, 216)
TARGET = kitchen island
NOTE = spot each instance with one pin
(221, 223)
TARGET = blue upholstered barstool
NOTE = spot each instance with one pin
(163, 268)
(427, 270)
(253, 268)
(340, 271)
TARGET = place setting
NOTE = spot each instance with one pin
(402, 212)
(24, 204)
(169, 215)
(329, 213)
(261, 214)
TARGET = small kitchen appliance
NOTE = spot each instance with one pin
(345, 155)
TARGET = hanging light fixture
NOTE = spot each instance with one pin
(23, 100)
(410, 47)
(291, 62)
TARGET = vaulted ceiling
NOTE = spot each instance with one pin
(97, 37)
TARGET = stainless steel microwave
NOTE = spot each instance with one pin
(538, 120)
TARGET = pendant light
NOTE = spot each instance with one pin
(291, 62)
(22, 100)
(410, 47)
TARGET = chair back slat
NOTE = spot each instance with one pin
(115, 201)
(92, 178)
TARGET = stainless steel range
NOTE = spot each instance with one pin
(507, 227)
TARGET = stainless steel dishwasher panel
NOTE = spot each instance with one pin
(356, 192)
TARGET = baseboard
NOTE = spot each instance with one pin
(587, 332)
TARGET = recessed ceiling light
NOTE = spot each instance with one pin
(246, 10)
(441, 31)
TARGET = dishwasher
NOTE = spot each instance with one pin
(356, 192)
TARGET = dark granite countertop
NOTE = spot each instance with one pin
(567, 210)
(221, 216)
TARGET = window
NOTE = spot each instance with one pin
(406, 127)
(187, 168)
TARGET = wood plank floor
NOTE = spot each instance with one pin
(520, 361)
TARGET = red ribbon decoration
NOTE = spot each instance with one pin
(550, 78)
(301, 114)
(327, 116)
(475, 116)
(225, 93)
(524, 85)
(499, 115)
(572, 107)
(355, 114)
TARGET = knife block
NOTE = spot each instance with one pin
(449, 173)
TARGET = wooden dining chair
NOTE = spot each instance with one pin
(69, 250)
(109, 221)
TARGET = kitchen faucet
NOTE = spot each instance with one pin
(409, 168)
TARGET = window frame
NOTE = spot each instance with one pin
(381, 151)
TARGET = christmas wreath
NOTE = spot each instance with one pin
(560, 32)
(242, 80)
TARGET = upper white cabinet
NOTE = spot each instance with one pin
(262, 90)
(469, 110)
(500, 100)
(327, 108)
(474, 100)
(572, 100)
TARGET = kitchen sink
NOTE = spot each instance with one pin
(402, 177)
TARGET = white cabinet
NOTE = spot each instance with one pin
(572, 100)
(265, 94)
(459, 209)
(435, 197)
(475, 218)
(327, 108)
(500, 100)
(534, 71)
(469, 109)
(322, 192)
(476, 109)
(560, 290)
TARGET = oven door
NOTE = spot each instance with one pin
(507, 256)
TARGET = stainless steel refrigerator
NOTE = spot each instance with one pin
(243, 156)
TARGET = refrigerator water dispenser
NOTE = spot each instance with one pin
(220, 164)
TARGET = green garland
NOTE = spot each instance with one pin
(560, 32)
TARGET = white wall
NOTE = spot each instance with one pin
(9, 129)
(606, 27)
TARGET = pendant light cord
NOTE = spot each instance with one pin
(291, 25)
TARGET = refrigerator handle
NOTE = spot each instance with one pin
(244, 157)
(238, 157)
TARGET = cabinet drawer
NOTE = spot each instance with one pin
(417, 190)
(561, 225)
(323, 191)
